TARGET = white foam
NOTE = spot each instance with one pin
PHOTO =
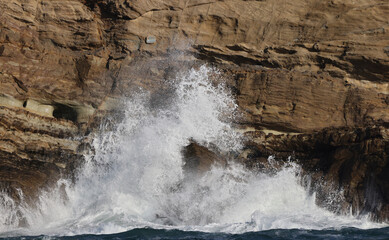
(135, 177)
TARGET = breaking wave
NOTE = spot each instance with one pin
(134, 176)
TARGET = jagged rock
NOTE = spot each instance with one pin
(199, 159)
(297, 68)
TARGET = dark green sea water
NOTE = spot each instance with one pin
(280, 234)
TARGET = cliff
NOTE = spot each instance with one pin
(311, 79)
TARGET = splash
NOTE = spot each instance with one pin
(135, 178)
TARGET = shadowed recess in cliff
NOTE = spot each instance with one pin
(65, 112)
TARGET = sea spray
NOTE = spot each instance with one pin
(134, 176)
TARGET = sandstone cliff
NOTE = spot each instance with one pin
(311, 79)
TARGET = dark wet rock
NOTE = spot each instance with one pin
(199, 159)
(352, 160)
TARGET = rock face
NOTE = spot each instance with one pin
(311, 79)
(351, 160)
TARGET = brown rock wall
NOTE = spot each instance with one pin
(300, 102)
(296, 67)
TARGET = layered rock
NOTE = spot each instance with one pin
(310, 78)
(35, 151)
(347, 167)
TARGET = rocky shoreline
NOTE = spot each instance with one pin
(311, 79)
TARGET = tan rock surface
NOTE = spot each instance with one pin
(296, 67)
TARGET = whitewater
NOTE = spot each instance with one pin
(133, 176)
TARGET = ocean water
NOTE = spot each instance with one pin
(132, 185)
(277, 234)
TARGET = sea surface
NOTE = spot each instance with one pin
(276, 234)
(133, 186)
